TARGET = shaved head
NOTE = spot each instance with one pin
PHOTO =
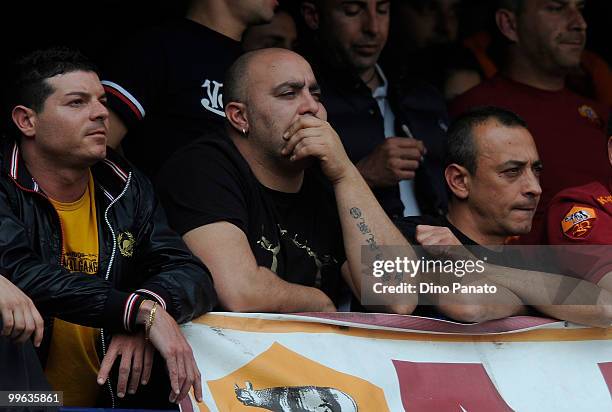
(236, 77)
(239, 75)
(267, 91)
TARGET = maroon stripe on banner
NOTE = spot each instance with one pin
(460, 387)
(606, 371)
(433, 325)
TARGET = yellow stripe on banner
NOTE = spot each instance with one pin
(246, 324)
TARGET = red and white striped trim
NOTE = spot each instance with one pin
(129, 307)
(14, 161)
(126, 97)
(155, 296)
(108, 195)
(118, 171)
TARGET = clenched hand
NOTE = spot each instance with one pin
(396, 159)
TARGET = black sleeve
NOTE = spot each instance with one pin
(73, 296)
(21, 369)
(201, 185)
(176, 278)
(407, 226)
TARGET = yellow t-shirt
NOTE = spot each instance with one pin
(73, 363)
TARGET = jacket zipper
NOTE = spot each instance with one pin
(108, 271)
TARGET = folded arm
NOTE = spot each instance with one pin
(244, 286)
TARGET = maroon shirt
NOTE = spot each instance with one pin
(569, 132)
(583, 216)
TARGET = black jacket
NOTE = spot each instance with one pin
(139, 255)
(356, 117)
(21, 371)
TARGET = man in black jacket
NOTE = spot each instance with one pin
(393, 130)
(83, 235)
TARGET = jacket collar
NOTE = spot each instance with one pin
(14, 166)
(111, 173)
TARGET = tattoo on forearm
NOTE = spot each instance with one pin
(364, 228)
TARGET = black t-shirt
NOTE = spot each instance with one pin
(296, 235)
(407, 226)
(519, 257)
(516, 257)
(167, 86)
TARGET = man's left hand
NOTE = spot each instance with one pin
(309, 136)
(136, 362)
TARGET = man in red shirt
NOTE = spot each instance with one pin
(582, 215)
(546, 40)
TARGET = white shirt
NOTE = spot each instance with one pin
(406, 187)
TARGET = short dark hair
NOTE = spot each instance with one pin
(515, 6)
(31, 71)
(461, 146)
(415, 4)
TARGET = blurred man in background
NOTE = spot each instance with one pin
(545, 43)
(394, 132)
(166, 86)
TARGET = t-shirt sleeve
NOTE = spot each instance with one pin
(586, 232)
(134, 77)
(407, 226)
(201, 186)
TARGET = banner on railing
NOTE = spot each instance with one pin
(348, 362)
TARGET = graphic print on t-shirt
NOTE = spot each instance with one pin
(294, 235)
(213, 100)
(292, 241)
(81, 262)
(589, 113)
(602, 200)
(270, 247)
